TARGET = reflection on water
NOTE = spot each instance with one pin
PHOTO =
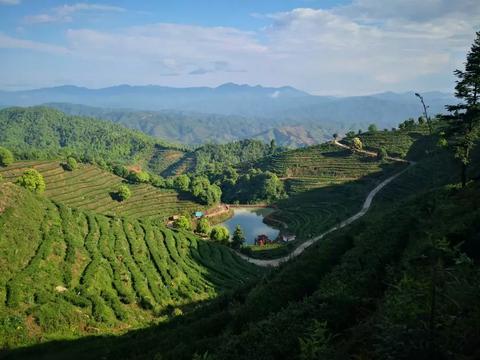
(251, 222)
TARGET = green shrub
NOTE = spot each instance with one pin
(203, 226)
(382, 153)
(357, 143)
(220, 233)
(139, 177)
(71, 164)
(32, 180)
(182, 222)
(121, 171)
(6, 157)
(123, 193)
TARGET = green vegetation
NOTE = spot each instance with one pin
(203, 226)
(382, 154)
(32, 180)
(123, 193)
(238, 238)
(90, 188)
(42, 133)
(183, 223)
(399, 143)
(204, 192)
(357, 143)
(72, 273)
(464, 122)
(325, 184)
(220, 234)
(214, 158)
(71, 164)
(6, 157)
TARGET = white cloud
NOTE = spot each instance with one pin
(169, 48)
(65, 13)
(9, 2)
(364, 47)
(8, 42)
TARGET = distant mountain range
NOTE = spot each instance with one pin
(228, 112)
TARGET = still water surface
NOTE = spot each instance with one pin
(251, 222)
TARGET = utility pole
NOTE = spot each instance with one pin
(425, 112)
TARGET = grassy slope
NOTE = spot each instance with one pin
(89, 187)
(71, 273)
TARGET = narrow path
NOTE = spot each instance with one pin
(366, 205)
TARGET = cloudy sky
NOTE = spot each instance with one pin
(322, 46)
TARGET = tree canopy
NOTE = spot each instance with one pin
(182, 222)
(465, 117)
(6, 157)
(32, 180)
(220, 233)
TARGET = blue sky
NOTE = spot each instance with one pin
(321, 46)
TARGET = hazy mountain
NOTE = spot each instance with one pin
(229, 112)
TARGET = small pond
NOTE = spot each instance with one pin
(251, 222)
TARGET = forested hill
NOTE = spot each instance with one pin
(44, 133)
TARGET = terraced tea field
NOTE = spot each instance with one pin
(89, 187)
(321, 166)
(326, 184)
(73, 272)
(410, 144)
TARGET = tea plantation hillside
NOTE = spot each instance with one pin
(66, 273)
(410, 141)
(362, 292)
(326, 184)
(91, 188)
(43, 133)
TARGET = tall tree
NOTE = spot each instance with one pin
(238, 238)
(465, 116)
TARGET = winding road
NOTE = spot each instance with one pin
(366, 205)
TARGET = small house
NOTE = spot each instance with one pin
(262, 240)
(288, 238)
(198, 214)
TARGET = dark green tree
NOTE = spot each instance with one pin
(465, 117)
(238, 238)
(71, 164)
(121, 171)
(372, 128)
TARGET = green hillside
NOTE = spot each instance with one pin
(326, 184)
(363, 292)
(71, 273)
(43, 133)
(90, 188)
(407, 142)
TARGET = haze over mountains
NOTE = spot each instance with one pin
(290, 116)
